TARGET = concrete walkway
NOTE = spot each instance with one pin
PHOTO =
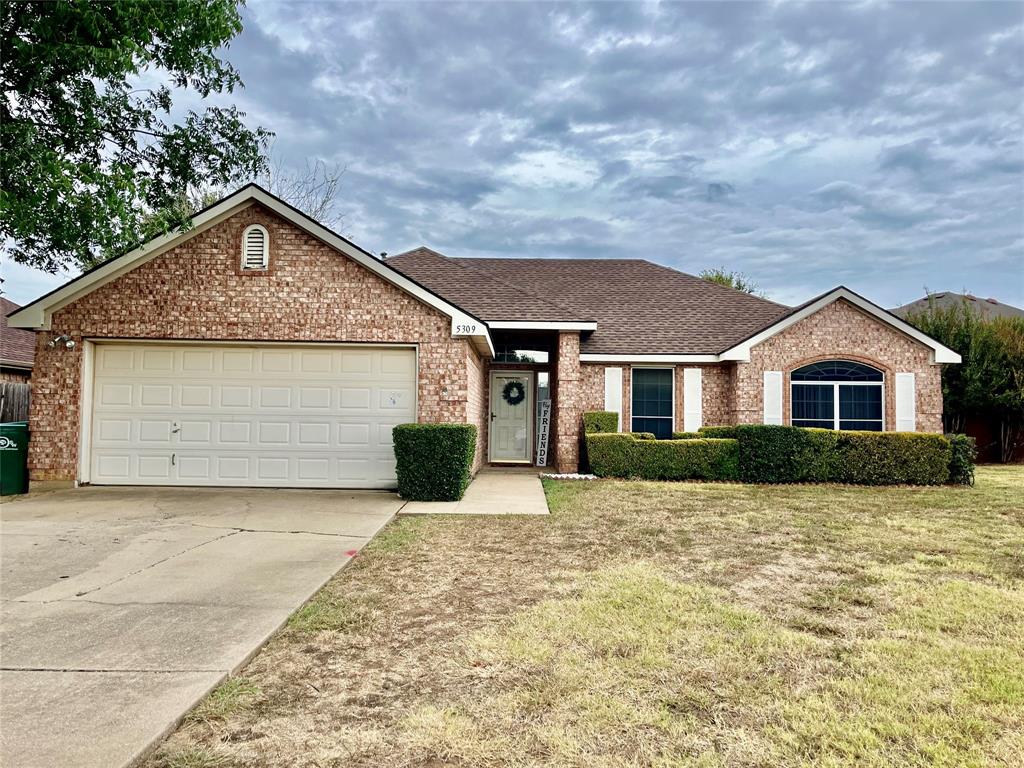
(494, 491)
(120, 608)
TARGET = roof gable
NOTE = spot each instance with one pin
(38, 314)
(741, 351)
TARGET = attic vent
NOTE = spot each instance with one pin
(255, 248)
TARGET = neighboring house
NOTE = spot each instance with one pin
(259, 348)
(17, 348)
(986, 308)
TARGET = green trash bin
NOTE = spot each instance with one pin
(13, 457)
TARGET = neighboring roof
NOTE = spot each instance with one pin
(17, 346)
(987, 308)
(741, 351)
(38, 313)
(640, 308)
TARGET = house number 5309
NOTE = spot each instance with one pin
(463, 328)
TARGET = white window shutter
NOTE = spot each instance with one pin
(906, 403)
(693, 394)
(613, 392)
(773, 397)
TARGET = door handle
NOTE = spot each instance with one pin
(494, 416)
(175, 428)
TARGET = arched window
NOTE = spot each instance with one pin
(837, 394)
(255, 248)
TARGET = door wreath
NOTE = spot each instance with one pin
(513, 392)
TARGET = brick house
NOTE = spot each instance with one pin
(259, 348)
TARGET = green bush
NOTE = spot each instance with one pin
(893, 458)
(688, 435)
(780, 454)
(726, 432)
(961, 463)
(623, 455)
(777, 454)
(434, 460)
(600, 421)
(644, 435)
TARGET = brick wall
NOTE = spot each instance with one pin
(476, 403)
(568, 402)
(840, 331)
(195, 291)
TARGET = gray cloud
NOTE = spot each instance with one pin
(805, 144)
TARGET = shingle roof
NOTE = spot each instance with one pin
(639, 307)
(17, 345)
(987, 308)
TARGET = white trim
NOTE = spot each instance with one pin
(38, 314)
(632, 392)
(906, 402)
(693, 399)
(531, 413)
(553, 325)
(613, 393)
(85, 400)
(265, 260)
(633, 359)
(940, 352)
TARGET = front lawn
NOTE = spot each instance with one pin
(655, 624)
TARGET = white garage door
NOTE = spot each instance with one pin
(249, 415)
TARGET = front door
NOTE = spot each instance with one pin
(511, 438)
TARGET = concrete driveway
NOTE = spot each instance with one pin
(122, 607)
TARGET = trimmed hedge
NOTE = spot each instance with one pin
(726, 432)
(643, 435)
(434, 460)
(600, 421)
(623, 455)
(758, 453)
(780, 454)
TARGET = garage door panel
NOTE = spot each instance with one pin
(197, 415)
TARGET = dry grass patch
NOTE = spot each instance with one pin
(654, 624)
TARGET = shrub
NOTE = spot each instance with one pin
(600, 421)
(961, 463)
(644, 435)
(778, 454)
(688, 435)
(893, 458)
(434, 460)
(623, 455)
(726, 432)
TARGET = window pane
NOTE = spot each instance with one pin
(662, 428)
(836, 370)
(830, 424)
(652, 393)
(860, 403)
(813, 401)
(869, 426)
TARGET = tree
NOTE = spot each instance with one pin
(313, 190)
(91, 160)
(731, 279)
(988, 384)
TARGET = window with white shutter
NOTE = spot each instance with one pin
(255, 248)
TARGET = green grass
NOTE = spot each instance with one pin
(234, 694)
(662, 625)
(331, 612)
(191, 757)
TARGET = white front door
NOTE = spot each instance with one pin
(511, 438)
(282, 415)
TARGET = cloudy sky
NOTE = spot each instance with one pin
(876, 145)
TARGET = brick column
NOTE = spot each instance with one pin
(568, 403)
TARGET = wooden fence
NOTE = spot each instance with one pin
(14, 401)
